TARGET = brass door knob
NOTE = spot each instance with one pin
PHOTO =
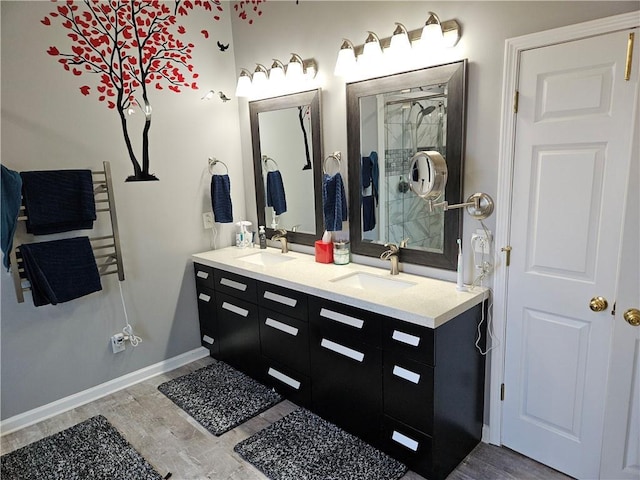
(632, 316)
(598, 304)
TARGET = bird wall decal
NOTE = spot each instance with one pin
(222, 47)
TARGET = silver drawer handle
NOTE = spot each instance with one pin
(235, 309)
(342, 318)
(284, 378)
(406, 374)
(207, 339)
(202, 274)
(410, 443)
(406, 338)
(342, 350)
(290, 302)
(204, 297)
(233, 284)
(283, 327)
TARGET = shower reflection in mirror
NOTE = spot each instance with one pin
(414, 120)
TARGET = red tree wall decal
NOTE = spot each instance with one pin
(133, 46)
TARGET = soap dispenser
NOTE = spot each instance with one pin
(262, 236)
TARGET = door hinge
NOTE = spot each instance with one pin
(507, 250)
(627, 68)
(502, 392)
(516, 97)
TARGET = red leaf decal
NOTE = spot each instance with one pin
(85, 90)
(112, 105)
(77, 72)
(45, 21)
(181, 30)
(216, 17)
(77, 50)
(205, 33)
(174, 88)
(101, 88)
(158, 86)
(53, 51)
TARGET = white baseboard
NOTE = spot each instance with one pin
(77, 399)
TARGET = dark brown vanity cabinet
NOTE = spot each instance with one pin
(237, 316)
(412, 391)
(209, 336)
(284, 342)
(346, 367)
(433, 383)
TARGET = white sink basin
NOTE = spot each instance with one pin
(265, 259)
(371, 282)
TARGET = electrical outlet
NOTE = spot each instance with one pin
(480, 242)
(207, 220)
(117, 342)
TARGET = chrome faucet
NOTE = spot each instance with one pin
(281, 234)
(393, 255)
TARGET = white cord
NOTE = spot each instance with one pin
(486, 268)
(128, 329)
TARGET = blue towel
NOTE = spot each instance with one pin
(221, 198)
(368, 213)
(334, 202)
(60, 270)
(369, 172)
(275, 192)
(10, 208)
(58, 200)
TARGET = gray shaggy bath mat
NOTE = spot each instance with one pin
(303, 446)
(219, 397)
(91, 449)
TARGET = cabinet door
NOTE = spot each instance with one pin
(346, 386)
(408, 391)
(290, 383)
(208, 321)
(285, 340)
(238, 332)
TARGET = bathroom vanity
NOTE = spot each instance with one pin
(392, 360)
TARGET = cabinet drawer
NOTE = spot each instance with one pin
(406, 444)
(285, 339)
(290, 383)
(283, 300)
(345, 322)
(204, 275)
(238, 286)
(408, 391)
(208, 320)
(410, 340)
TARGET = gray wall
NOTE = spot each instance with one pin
(54, 351)
(48, 353)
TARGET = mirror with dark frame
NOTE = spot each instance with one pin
(389, 120)
(287, 159)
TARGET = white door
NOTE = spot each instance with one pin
(621, 440)
(571, 164)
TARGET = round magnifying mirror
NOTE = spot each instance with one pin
(428, 175)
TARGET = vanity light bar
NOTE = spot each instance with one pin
(279, 79)
(434, 35)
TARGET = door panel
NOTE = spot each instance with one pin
(621, 440)
(571, 165)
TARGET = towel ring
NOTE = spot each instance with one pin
(336, 157)
(213, 161)
(266, 159)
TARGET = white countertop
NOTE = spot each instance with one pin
(428, 302)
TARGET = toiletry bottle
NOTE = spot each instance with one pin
(263, 237)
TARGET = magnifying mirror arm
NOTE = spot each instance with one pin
(478, 205)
